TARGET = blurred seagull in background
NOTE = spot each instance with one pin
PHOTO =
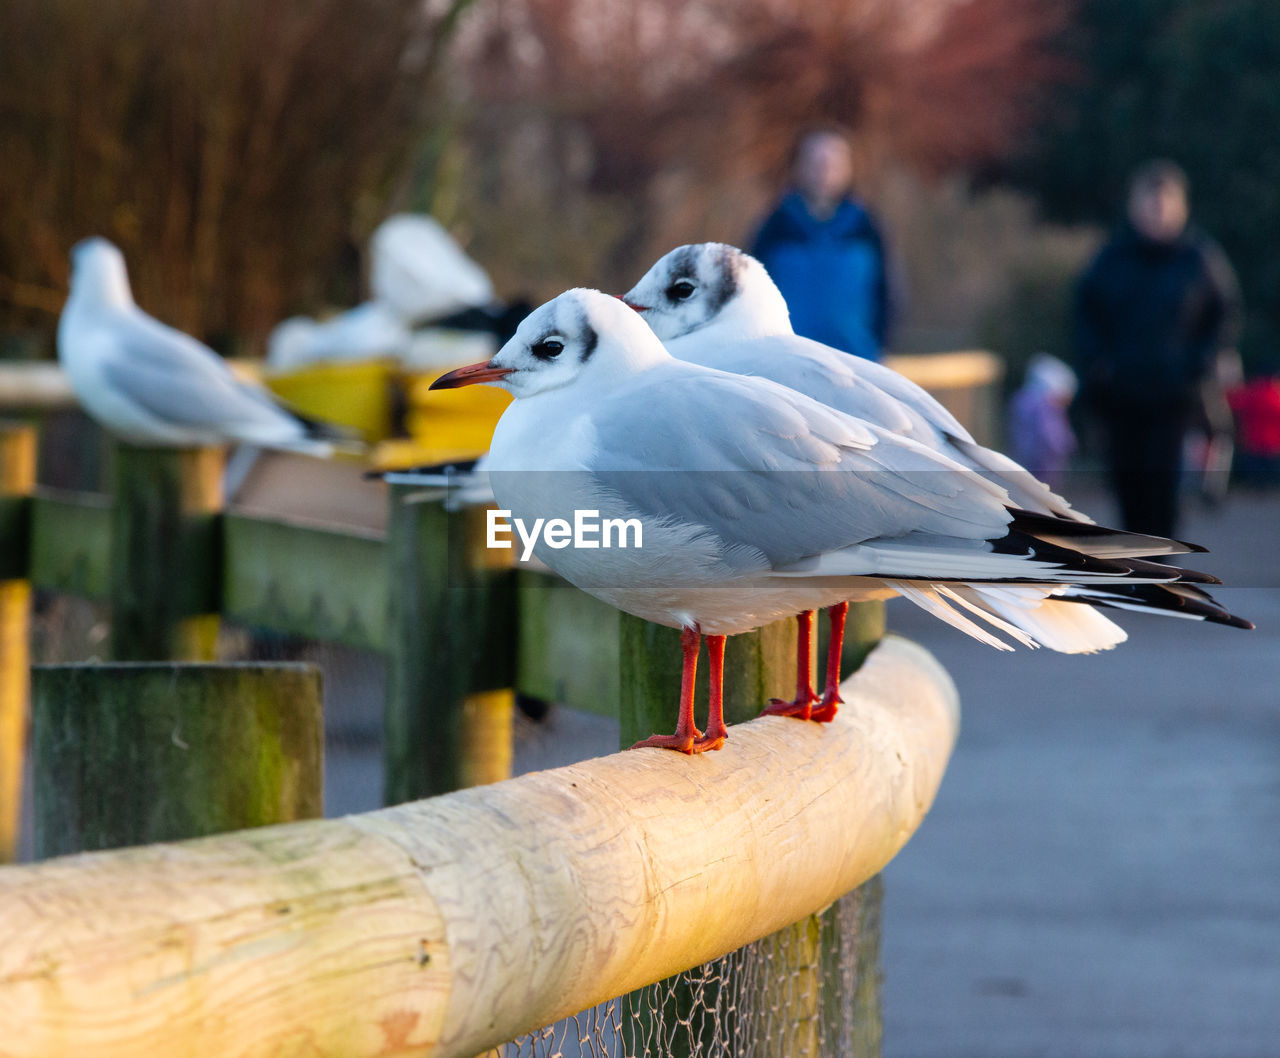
(418, 272)
(152, 385)
(365, 332)
(429, 302)
(758, 502)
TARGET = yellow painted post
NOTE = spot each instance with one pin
(17, 478)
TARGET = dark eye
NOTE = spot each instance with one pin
(680, 290)
(547, 349)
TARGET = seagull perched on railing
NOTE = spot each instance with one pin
(714, 305)
(758, 502)
(152, 385)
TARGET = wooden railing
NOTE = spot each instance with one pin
(368, 943)
(450, 925)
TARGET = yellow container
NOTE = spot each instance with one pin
(452, 423)
(355, 393)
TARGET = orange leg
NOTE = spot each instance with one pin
(802, 706)
(825, 711)
(716, 731)
(687, 732)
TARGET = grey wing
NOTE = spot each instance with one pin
(929, 416)
(812, 369)
(764, 467)
(177, 379)
(919, 400)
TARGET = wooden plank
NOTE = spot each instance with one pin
(308, 580)
(568, 649)
(34, 386)
(15, 536)
(452, 633)
(449, 926)
(71, 543)
(163, 583)
(962, 369)
(126, 754)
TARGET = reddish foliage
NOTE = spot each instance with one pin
(685, 112)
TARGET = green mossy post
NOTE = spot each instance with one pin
(164, 553)
(129, 754)
(450, 650)
(17, 478)
(757, 666)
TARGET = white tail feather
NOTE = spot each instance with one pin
(1027, 613)
(927, 598)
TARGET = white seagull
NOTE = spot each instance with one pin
(713, 304)
(152, 385)
(758, 503)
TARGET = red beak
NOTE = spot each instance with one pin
(471, 375)
(631, 304)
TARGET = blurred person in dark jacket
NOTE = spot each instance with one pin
(826, 252)
(1152, 312)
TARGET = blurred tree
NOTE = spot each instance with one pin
(1193, 80)
(237, 151)
(606, 133)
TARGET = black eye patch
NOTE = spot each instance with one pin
(547, 349)
(680, 290)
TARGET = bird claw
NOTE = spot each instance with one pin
(712, 740)
(825, 711)
(680, 743)
(800, 708)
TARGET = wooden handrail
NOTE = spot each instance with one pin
(447, 926)
(37, 386)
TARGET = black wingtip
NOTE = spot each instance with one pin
(1033, 522)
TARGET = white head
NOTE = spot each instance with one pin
(98, 272)
(709, 284)
(582, 334)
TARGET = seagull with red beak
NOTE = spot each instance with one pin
(758, 503)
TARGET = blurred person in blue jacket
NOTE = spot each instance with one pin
(826, 252)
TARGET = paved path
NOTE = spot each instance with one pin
(1100, 875)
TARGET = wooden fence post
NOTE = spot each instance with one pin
(164, 553)
(130, 754)
(17, 478)
(758, 666)
(451, 651)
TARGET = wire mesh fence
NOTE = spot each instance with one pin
(808, 991)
